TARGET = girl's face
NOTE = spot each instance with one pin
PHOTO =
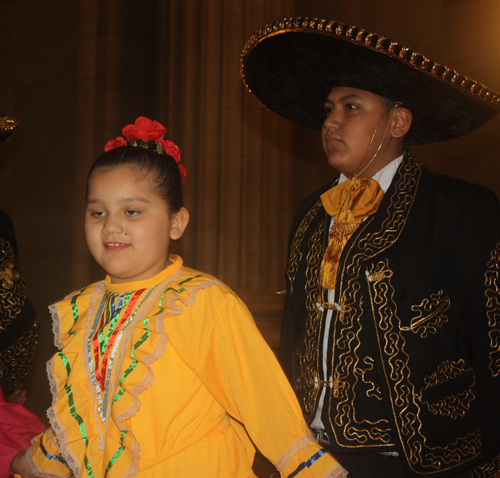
(127, 225)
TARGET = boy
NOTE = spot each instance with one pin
(391, 327)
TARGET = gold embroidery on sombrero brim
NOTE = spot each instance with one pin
(378, 43)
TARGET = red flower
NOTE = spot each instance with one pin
(141, 133)
(170, 148)
(183, 172)
(145, 130)
(114, 143)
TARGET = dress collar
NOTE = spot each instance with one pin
(122, 287)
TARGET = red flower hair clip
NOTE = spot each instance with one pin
(148, 134)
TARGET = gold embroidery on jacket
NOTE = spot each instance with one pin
(373, 391)
(492, 284)
(394, 221)
(431, 315)
(453, 405)
(309, 360)
(448, 370)
(350, 369)
(12, 288)
(15, 361)
(295, 254)
(405, 401)
(489, 470)
(356, 431)
(378, 276)
(8, 275)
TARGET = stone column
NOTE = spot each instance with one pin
(238, 156)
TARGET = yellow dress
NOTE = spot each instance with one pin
(155, 378)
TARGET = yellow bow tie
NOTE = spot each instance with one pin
(350, 202)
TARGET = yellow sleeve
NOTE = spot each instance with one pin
(44, 457)
(242, 373)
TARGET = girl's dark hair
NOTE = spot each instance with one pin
(165, 175)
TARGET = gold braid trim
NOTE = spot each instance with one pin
(406, 403)
(295, 254)
(431, 315)
(376, 42)
(12, 288)
(492, 283)
(455, 406)
(352, 430)
(447, 371)
(490, 470)
(15, 361)
(309, 360)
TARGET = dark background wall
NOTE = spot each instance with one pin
(74, 72)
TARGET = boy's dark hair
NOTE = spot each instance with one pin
(385, 102)
(166, 178)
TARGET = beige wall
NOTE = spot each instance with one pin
(74, 72)
(70, 83)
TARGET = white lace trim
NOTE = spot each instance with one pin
(288, 456)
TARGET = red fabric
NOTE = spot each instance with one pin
(18, 426)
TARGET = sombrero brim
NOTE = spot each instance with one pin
(7, 125)
(292, 64)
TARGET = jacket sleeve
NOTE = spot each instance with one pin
(475, 253)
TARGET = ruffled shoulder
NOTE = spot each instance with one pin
(147, 338)
(69, 314)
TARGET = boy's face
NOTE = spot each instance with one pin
(352, 116)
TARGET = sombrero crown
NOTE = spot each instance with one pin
(291, 65)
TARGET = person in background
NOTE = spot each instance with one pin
(18, 339)
(391, 325)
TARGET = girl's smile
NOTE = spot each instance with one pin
(115, 246)
(128, 226)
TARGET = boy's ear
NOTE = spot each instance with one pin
(401, 122)
(179, 221)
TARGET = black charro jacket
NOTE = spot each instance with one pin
(414, 345)
(18, 327)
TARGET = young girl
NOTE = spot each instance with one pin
(161, 370)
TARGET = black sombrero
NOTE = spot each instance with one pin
(291, 65)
